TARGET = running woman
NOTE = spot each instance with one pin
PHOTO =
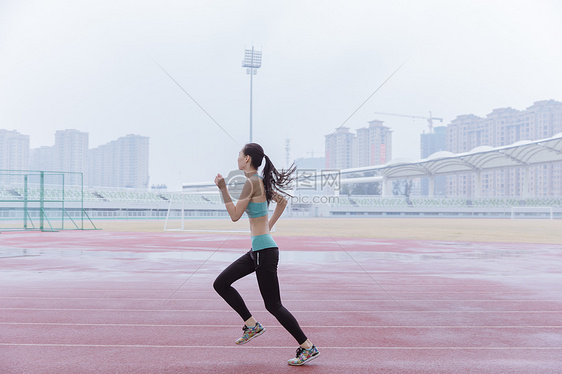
(263, 257)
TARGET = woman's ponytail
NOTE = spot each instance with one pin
(274, 181)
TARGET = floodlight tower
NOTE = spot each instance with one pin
(252, 62)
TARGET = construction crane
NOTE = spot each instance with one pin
(429, 119)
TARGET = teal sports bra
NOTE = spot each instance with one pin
(255, 210)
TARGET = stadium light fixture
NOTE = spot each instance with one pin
(252, 62)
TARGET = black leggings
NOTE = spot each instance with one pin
(264, 263)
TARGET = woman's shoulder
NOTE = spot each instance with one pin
(258, 186)
(255, 177)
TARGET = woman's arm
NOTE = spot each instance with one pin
(234, 211)
(281, 204)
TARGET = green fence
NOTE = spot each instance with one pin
(42, 200)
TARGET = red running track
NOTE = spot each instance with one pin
(114, 302)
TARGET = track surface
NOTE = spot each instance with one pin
(122, 302)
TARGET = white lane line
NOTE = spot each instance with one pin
(281, 327)
(294, 311)
(206, 291)
(284, 299)
(269, 347)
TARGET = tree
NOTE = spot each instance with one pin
(402, 187)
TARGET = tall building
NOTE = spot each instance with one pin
(338, 149)
(311, 163)
(371, 145)
(70, 154)
(14, 150)
(100, 161)
(41, 158)
(502, 127)
(120, 163)
(431, 143)
(14, 154)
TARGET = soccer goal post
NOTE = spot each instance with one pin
(185, 209)
(42, 200)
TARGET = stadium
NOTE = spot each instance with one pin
(40, 200)
(120, 280)
(445, 261)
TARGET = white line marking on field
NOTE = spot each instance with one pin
(281, 327)
(268, 347)
(294, 311)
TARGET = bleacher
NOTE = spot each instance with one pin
(127, 196)
(107, 199)
(378, 206)
(379, 202)
(16, 193)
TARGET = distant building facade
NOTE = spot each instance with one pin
(371, 145)
(311, 163)
(14, 154)
(338, 149)
(14, 150)
(41, 158)
(120, 163)
(70, 154)
(502, 127)
(431, 143)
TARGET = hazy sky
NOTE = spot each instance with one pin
(90, 65)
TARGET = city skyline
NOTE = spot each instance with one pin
(325, 64)
(123, 162)
(505, 126)
(39, 157)
(370, 145)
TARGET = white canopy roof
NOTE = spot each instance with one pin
(523, 153)
(482, 158)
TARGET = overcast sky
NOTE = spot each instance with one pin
(92, 66)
